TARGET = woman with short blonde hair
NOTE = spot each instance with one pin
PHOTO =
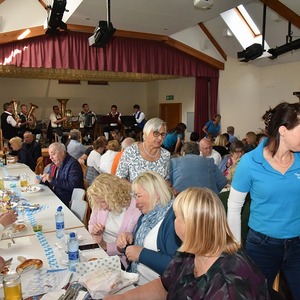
(155, 186)
(113, 211)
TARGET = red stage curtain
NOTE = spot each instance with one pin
(70, 50)
(206, 99)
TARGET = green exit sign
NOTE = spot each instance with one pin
(170, 97)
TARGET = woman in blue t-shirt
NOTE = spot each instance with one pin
(271, 173)
(212, 127)
(174, 138)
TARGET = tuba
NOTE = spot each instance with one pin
(15, 104)
(31, 117)
(65, 113)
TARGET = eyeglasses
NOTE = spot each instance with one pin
(157, 134)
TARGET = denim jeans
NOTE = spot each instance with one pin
(273, 255)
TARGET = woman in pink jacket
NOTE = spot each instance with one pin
(113, 212)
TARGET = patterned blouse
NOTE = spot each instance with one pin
(132, 164)
(233, 277)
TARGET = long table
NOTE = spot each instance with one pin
(43, 244)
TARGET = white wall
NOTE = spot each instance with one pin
(245, 93)
(45, 92)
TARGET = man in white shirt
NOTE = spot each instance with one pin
(57, 120)
(139, 116)
(207, 150)
(87, 121)
(9, 125)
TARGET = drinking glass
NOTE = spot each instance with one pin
(12, 287)
(24, 180)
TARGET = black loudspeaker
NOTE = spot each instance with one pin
(102, 34)
(56, 15)
(252, 52)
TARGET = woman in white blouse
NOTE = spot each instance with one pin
(93, 160)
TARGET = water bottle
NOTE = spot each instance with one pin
(60, 224)
(73, 253)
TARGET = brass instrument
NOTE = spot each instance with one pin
(15, 104)
(31, 117)
(65, 113)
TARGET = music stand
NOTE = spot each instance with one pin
(128, 121)
(103, 119)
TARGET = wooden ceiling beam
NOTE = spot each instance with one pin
(283, 11)
(213, 41)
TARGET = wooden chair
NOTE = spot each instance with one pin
(39, 169)
(84, 168)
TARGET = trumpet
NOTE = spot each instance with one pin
(15, 104)
(31, 117)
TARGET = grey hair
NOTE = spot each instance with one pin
(190, 148)
(75, 134)
(58, 146)
(127, 142)
(153, 124)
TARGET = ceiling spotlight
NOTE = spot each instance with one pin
(250, 53)
(102, 34)
(56, 12)
(203, 4)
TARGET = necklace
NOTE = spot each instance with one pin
(148, 152)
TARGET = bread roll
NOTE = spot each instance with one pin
(36, 263)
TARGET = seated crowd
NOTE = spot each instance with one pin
(155, 204)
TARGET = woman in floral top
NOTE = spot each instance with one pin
(209, 264)
(147, 155)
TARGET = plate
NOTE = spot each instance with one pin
(15, 228)
(18, 227)
(31, 189)
(17, 260)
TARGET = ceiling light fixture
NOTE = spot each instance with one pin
(55, 15)
(203, 4)
(103, 32)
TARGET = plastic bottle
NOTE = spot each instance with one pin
(60, 223)
(73, 253)
(4, 158)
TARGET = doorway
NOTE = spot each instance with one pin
(171, 113)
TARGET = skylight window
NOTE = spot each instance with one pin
(243, 27)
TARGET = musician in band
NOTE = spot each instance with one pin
(10, 123)
(115, 121)
(87, 121)
(139, 117)
(29, 123)
(56, 121)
